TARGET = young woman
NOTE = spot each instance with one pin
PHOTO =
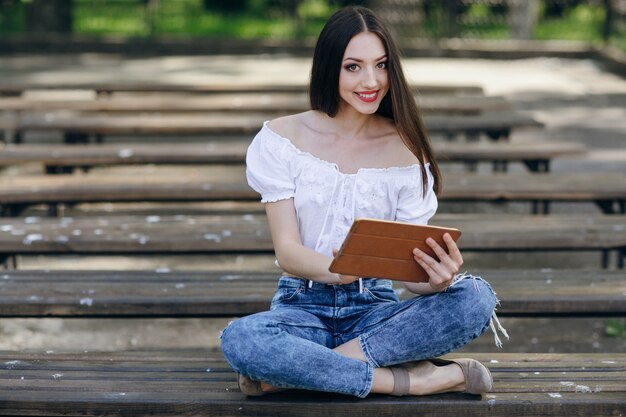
(361, 151)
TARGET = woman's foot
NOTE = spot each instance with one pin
(255, 388)
(437, 376)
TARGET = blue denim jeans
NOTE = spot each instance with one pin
(291, 345)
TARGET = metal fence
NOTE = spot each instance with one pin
(586, 20)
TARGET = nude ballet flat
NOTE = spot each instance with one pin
(477, 377)
(253, 388)
(249, 387)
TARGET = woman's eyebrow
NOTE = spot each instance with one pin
(360, 60)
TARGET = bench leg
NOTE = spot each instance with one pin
(538, 165)
(541, 207)
(73, 138)
(12, 210)
(498, 134)
(500, 166)
(9, 261)
(620, 255)
(472, 135)
(53, 210)
(59, 169)
(13, 136)
(471, 166)
(605, 258)
(612, 206)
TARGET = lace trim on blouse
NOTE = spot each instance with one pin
(289, 143)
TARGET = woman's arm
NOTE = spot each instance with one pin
(293, 257)
(440, 273)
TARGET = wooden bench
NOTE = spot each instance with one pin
(63, 158)
(77, 128)
(243, 102)
(227, 182)
(165, 293)
(197, 382)
(248, 233)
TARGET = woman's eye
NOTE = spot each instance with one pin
(382, 65)
(352, 67)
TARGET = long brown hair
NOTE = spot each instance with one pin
(398, 104)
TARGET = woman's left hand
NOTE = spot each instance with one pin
(442, 272)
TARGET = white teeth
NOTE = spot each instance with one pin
(367, 95)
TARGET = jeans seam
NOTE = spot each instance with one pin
(366, 351)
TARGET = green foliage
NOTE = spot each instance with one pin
(12, 17)
(248, 19)
(615, 328)
(582, 23)
(192, 18)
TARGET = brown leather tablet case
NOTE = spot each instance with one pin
(384, 249)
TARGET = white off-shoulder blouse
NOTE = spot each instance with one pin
(327, 200)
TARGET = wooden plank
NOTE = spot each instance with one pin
(216, 123)
(243, 102)
(228, 293)
(249, 233)
(227, 182)
(221, 88)
(232, 151)
(109, 384)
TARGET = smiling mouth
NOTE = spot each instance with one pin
(368, 96)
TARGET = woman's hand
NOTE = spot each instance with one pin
(345, 279)
(440, 273)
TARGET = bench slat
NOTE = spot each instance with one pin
(215, 123)
(241, 233)
(224, 294)
(232, 151)
(224, 182)
(221, 88)
(243, 102)
(125, 389)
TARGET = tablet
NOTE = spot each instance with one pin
(384, 249)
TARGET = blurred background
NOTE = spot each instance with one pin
(594, 21)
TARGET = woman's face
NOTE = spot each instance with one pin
(363, 79)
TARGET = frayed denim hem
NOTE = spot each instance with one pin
(369, 381)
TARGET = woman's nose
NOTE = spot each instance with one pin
(370, 78)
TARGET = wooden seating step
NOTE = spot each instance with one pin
(249, 233)
(164, 293)
(244, 102)
(57, 158)
(495, 124)
(196, 382)
(102, 88)
(227, 182)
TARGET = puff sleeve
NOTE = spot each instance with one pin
(267, 168)
(413, 206)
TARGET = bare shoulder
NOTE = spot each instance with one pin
(289, 126)
(292, 127)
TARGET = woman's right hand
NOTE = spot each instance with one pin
(345, 279)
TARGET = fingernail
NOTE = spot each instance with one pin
(430, 241)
